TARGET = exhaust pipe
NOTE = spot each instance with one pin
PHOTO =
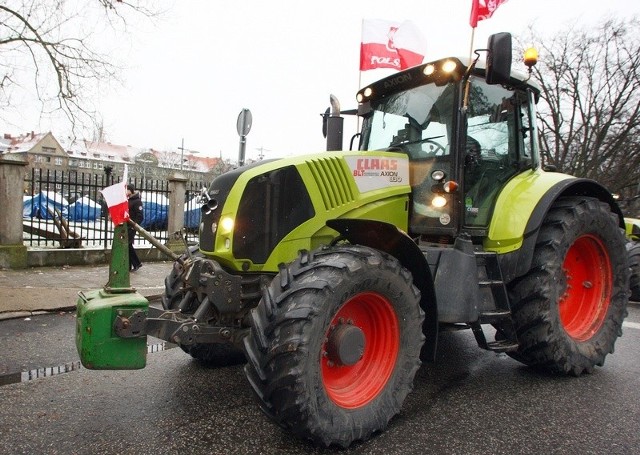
(332, 125)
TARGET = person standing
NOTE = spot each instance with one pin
(135, 214)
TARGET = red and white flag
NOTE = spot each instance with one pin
(388, 44)
(116, 198)
(483, 9)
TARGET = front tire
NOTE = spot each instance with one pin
(335, 344)
(568, 309)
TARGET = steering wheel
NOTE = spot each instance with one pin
(396, 148)
(435, 148)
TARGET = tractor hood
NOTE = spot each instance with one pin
(265, 213)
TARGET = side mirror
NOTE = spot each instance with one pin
(499, 58)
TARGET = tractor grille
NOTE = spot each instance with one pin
(332, 179)
(273, 204)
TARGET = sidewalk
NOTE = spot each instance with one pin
(41, 289)
(32, 291)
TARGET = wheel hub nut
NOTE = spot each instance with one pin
(346, 345)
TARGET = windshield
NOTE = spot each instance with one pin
(417, 121)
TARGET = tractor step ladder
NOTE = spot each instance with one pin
(500, 316)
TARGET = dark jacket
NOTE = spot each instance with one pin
(135, 208)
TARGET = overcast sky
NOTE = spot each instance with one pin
(189, 75)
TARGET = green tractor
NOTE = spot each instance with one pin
(632, 229)
(331, 275)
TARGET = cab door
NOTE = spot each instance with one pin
(497, 148)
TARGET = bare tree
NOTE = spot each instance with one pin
(590, 107)
(99, 133)
(47, 50)
(169, 159)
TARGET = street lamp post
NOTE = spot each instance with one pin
(182, 150)
(262, 150)
(182, 155)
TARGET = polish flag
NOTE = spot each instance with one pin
(483, 9)
(116, 198)
(388, 44)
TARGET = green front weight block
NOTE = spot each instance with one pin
(110, 330)
(110, 322)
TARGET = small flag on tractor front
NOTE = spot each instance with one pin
(116, 198)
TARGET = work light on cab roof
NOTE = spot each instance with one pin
(440, 72)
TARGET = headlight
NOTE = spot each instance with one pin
(226, 224)
(439, 201)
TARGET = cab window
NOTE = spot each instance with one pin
(494, 147)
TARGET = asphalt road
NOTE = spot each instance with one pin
(470, 401)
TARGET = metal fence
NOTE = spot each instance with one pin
(66, 209)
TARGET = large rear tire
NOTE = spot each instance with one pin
(213, 355)
(335, 344)
(633, 252)
(568, 309)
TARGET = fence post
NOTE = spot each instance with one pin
(13, 252)
(177, 192)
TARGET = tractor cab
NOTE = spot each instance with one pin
(465, 138)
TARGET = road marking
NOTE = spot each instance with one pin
(631, 325)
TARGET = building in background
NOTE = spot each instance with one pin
(85, 160)
(40, 150)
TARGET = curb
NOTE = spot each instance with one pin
(27, 314)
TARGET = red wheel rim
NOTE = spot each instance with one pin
(352, 386)
(584, 305)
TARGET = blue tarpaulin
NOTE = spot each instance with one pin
(192, 213)
(156, 211)
(39, 205)
(84, 209)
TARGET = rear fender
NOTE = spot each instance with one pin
(521, 208)
(388, 238)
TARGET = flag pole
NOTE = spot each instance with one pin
(466, 89)
(473, 32)
(359, 72)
